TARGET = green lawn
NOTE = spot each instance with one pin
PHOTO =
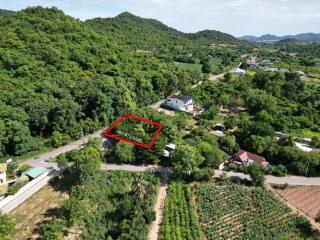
(190, 66)
(215, 64)
(306, 133)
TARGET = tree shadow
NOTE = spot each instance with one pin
(63, 183)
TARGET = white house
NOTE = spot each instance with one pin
(182, 103)
(3, 175)
(238, 71)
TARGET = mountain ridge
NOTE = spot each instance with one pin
(305, 37)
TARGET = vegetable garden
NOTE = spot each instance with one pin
(230, 211)
(179, 222)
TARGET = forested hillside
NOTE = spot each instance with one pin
(155, 37)
(59, 79)
(5, 12)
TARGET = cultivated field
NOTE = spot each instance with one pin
(231, 211)
(178, 220)
(306, 198)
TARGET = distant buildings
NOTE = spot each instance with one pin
(247, 158)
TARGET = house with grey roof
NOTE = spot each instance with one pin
(180, 102)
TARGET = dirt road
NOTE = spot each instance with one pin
(159, 207)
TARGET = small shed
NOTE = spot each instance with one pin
(34, 172)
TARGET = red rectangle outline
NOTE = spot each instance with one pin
(159, 125)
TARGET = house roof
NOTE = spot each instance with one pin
(34, 172)
(244, 156)
(184, 98)
(238, 70)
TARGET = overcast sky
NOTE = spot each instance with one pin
(237, 17)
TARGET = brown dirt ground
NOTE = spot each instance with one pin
(304, 198)
(35, 210)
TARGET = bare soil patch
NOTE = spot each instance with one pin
(37, 209)
(304, 198)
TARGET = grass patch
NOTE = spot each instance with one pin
(215, 65)
(190, 66)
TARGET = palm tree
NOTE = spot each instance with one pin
(139, 186)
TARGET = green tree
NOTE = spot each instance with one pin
(7, 226)
(52, 230)
(186, 160)
(62, 161)
(256, 173)
(315, 142)
(58, 139)
(124, 152)
(74, 211)
(87, 163)
(229, 143)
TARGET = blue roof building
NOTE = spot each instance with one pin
(34, 172)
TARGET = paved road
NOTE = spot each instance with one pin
(42, 159)
(291, 180)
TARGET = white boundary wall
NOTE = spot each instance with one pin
(42, 180)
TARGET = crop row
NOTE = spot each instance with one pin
(179, 222)
(232, 211)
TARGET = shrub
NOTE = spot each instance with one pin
(13, 189)
(279, 171)
(232, 166)
(205, 174)
(6, 226)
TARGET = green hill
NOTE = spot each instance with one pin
(61, 79)
(165, 42)
(5, 12)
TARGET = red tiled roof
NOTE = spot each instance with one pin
(244, 156)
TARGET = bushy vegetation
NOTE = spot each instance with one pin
(179, 221)
(230, 211)
(105, 205)
(7, 226)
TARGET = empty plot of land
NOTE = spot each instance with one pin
(36, 210)
(305, 198)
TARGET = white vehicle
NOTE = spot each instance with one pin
(168, 149)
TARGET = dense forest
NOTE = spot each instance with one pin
(61, 79)
(271, 102)
(152, 36)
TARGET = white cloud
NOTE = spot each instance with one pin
(237, 17)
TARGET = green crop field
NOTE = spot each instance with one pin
(178, 220)
(231, 211)
(190, 66)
